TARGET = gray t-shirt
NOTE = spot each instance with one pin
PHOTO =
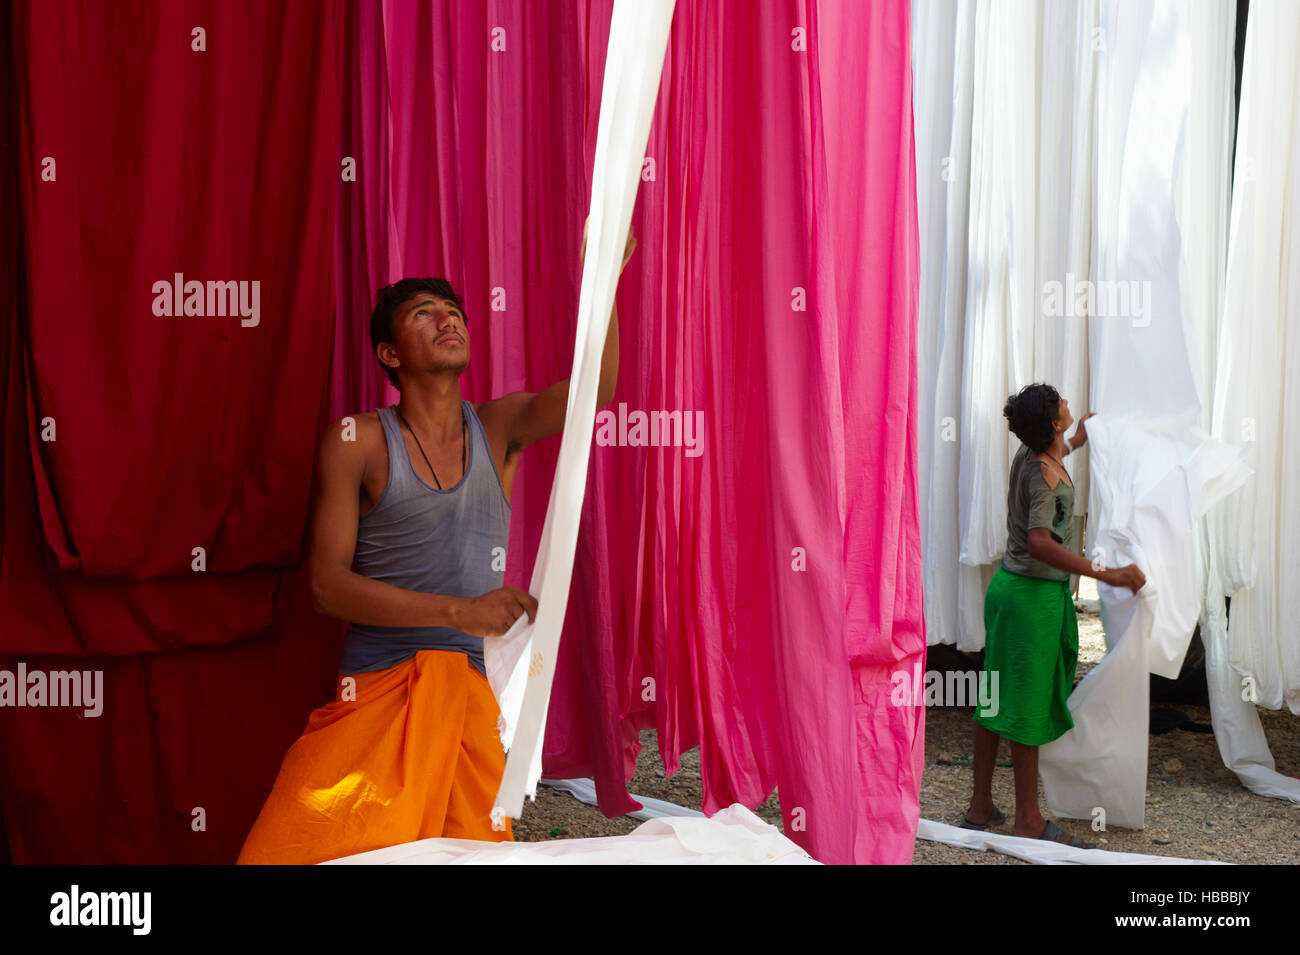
(1031, 503)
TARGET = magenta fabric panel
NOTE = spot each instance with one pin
(752, 600)
(871, 180)
(781, 428)
(361, 245)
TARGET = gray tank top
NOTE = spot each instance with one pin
(417, 537)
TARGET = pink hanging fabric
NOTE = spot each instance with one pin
(871, 167)
(754, 599)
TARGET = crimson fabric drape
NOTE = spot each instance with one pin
(756, 598)
(140, 156)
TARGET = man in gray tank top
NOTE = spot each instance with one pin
(409, 528)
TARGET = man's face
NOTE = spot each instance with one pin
(431, 334)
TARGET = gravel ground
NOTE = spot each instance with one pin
(1195, 808)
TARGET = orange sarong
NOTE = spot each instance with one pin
(416, 755)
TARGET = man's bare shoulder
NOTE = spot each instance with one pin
(354, 436)
(355, 425)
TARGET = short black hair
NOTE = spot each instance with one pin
(387, 300)
(1031, 414)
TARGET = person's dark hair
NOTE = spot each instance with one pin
(387, 300)
(1031, 414)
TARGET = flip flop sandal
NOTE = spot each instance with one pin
(996, 818)
(1054, 833)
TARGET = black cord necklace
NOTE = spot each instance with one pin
(464, 445)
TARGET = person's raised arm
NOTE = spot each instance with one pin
(527, 416)
(339, 591)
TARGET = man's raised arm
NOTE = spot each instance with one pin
(530, 416)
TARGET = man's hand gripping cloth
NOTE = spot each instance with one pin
(521, 664)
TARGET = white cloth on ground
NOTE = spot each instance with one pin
(734, 836)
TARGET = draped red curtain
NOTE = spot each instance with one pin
(752, 599)
(157, 469)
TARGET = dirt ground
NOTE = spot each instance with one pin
(557, 815)
(1195, 807)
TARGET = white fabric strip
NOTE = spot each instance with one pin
(521, 664)
(584, 790)
(1039, 851)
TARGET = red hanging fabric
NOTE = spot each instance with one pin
(140, 156)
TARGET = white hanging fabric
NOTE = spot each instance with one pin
(1155, 471)
(943, 43)
(1253, 656)
(1132, 123)
(1065, 210)
(1004, 194)
(1256, 403)
(1001, 296)
(521, 664)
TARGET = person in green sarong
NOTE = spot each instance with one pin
(1031, 634)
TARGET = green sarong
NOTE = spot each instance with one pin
(1031, 643)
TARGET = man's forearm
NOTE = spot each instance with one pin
(363, 600)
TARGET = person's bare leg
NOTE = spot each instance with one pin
(1029, 821)
(986, 755)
